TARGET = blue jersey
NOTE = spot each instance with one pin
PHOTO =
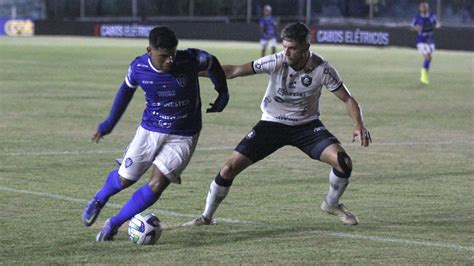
(173, 103)
(427, 24)
(268, 24)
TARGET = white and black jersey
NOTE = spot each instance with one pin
(292, 96)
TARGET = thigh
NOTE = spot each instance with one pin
(312, 138)
(272, 42)
(432, 47)
(139, 155)
(264, 139)
(423, 48)
(174, 155)
(330, 153)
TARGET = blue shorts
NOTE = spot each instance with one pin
(267, 137)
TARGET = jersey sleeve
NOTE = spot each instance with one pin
(331, 78)
(130, 77)
(434, 20)
(203, 58)
(265, 64)
(414, 22)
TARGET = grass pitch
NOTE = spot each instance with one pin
(412, 188)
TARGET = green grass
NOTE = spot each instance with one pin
(412, 189)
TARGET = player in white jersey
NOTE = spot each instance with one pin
(291, 117)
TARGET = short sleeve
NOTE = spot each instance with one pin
(331, 78)
(130, 77)
(203, 58)
(265, 64)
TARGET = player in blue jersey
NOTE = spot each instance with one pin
(424, 24)
(268, 30)
(170, 126)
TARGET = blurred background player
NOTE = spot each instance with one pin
(291, 117)
(170, 126)
(268, 30)
(424, 24)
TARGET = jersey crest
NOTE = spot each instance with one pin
(182, 80)
(306, 80)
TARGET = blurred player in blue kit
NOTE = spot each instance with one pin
(169, 129)
(268, 30)
(290, 117)
(424, 24)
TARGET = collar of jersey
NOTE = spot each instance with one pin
(152, 67)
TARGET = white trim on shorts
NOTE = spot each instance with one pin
(425, 48)
(170, 153)
(270, 42)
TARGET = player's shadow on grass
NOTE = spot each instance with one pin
(225, 233)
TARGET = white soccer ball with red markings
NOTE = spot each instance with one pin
(144, 229)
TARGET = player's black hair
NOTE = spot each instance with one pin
(162, 37)
(297, 32)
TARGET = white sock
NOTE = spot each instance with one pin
(337, 186)
(214, 197)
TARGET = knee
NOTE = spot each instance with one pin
(125, 182)
(227, 171)
(158, 183)
(344, 165)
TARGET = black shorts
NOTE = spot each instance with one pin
(267, 137)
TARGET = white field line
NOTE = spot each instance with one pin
(41, 153)
(305, 234)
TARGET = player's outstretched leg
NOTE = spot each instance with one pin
(111, 187)
(143, 198)
(218, 190)
(331, 205)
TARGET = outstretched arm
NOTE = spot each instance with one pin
(121, 101)
(233, 71)
(356, 113)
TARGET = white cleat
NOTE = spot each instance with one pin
(201, 220)
(340, 211)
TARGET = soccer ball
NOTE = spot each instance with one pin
(144, 229)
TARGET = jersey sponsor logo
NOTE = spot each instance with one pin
(169, 117)
(177, 104)
(147, 81)
(251, 134)
(164, 124)
(285, 92)
(142, 65)
(285, 118)
(306, 80)
(128, 162)
(182, 80)
(318, 129)
(166, 93)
